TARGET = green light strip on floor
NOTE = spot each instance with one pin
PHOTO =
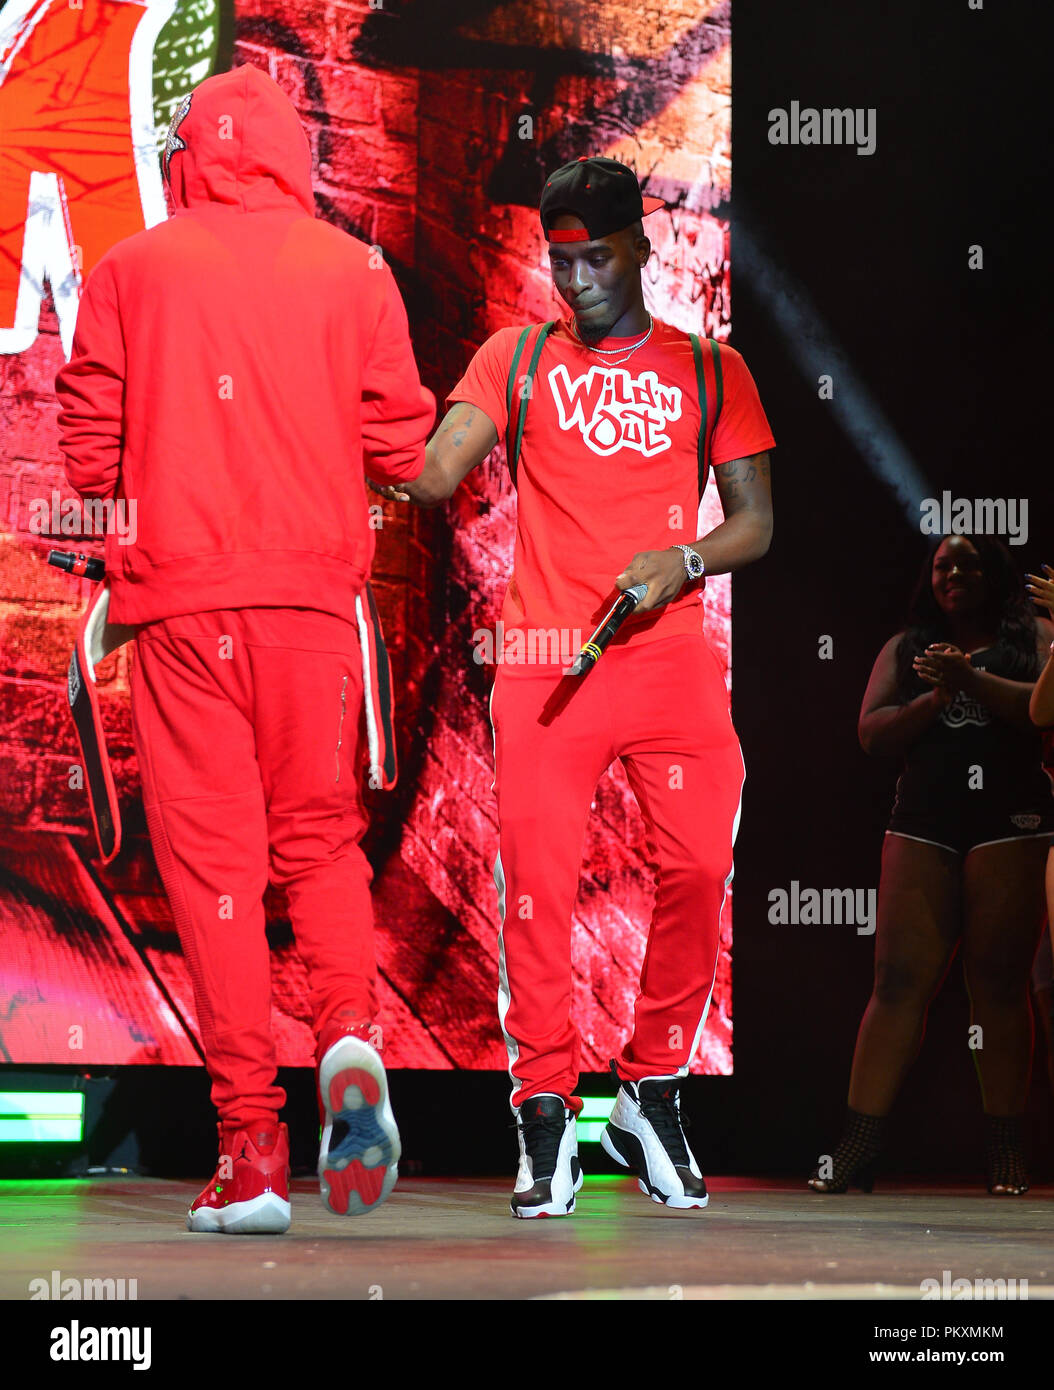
(12, 1187)
(593, 1117)
(41, 1117)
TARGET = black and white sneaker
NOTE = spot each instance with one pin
(550, 1173)
(645, 1135)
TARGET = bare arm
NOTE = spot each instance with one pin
(888, 728)
(745, 488)
(1008, 700)
(1041, 705)
(744, 535)
(463, 440)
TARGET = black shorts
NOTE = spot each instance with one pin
(970, 821)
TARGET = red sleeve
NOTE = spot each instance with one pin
(397, 411)
(742, 428)
(90, 389)
(485, 383)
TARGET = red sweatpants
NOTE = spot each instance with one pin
(662, 709)
(248, 727)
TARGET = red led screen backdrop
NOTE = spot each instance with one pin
(431, 127)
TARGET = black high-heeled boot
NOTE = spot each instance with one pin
(1005, 1156)
(852, 1163)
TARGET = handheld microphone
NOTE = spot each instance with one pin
(620, 610)
(85, 566)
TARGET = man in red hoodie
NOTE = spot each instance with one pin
(235, 371)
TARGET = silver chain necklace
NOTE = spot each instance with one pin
(613, 352)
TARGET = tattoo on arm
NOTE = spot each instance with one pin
(734, 479)
(457, 436)
(729, 478)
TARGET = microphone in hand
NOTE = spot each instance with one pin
(594, 649)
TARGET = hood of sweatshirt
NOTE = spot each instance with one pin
(237, 140)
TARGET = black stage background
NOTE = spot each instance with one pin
(956, 361)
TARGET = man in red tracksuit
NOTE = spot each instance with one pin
(611, 420)
(233, 370)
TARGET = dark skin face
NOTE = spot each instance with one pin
(958, 579)
(959, 590)
(600, 280)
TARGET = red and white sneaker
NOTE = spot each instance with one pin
(249, 1194)
(358, 1162)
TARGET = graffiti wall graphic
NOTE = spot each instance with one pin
(432, 128)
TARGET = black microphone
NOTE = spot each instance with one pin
(620, 610)
(85, 566)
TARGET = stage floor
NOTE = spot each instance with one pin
(446, 1239)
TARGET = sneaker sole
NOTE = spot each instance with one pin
(634, 1159)
(549, 1208)
(358, 1173)
(267, 1214)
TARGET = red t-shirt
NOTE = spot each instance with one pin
(608, 467)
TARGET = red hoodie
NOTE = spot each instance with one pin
(236, 370)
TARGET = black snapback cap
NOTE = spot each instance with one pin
(601, 192)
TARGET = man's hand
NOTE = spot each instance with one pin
(945, 667)
(663, 572)
(393, 494)
(462, 441)
(416, 491)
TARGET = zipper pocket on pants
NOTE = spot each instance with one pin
(340, 726)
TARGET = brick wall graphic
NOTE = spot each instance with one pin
(432, 128)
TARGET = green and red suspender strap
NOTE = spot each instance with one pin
(708, 381)
(514, 427)
(711, 394)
